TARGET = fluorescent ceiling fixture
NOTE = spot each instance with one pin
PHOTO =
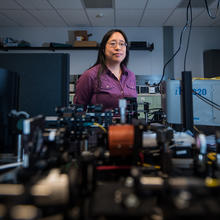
(98, 3)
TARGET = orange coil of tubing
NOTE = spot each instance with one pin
(121, 139)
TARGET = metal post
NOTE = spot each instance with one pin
(187, 101)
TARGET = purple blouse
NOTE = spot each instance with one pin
(110, 90)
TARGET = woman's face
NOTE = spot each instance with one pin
(115, 49)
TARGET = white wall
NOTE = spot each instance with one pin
(140, 62)
(201, 39)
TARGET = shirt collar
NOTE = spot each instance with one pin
(124, 70)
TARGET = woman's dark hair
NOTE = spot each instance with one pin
(101, 53)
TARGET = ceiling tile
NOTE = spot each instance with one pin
(154, 17)
(74, 17)
(9, 4)
(124, 13)
(160, 4)
(106, 20)
(21, 17)
(203, 19)
(5, 22)
(213, 5)
(178, 17)
(216, 23)
(125, 4)
(34, 4)
(49, 18)
(66, 4)
(195, 3)
(122, 18)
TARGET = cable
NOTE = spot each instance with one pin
(100, 126)
(196, 129)
(197, 94)
(208, 11)
(180, 43)
(184, 28)
(165, 65)
(10, 165)
(153, 109)
(113, 167)
(209, 102)
(189, 6)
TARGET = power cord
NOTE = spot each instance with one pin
(209, 102)
(180, 44)
(208, 11)
(189, 7)
(189, 23)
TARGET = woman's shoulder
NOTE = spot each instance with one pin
(91, 72)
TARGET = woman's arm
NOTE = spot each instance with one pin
(84, 89)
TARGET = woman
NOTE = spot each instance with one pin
(108, 80)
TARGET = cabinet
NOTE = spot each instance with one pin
(43, 80)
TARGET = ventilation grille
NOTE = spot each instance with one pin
(194, 3)
(98, 3)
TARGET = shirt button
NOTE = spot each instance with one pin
(107, 86)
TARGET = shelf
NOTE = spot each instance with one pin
(48, 48)
(150, 48)
(141, 48)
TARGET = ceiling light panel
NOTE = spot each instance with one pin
(98, 3)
